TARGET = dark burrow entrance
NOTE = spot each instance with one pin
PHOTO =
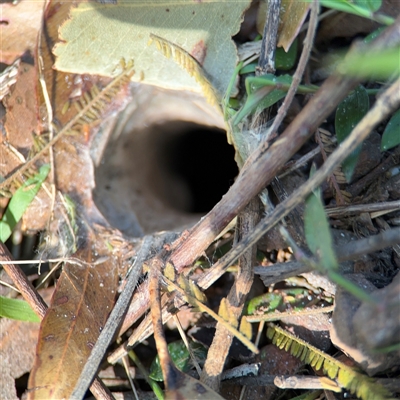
(164, 173)
(201, 161)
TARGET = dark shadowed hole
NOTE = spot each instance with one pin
(202, 160)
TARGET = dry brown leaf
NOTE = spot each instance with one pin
(292, 15)
(83, 298)
(190, 388)
(349, 25)
(22, 110)
(19, 27)
(17, 350)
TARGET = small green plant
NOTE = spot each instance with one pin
(20, 202)
(17, 309)
(362, 8)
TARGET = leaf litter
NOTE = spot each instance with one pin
(88, 285)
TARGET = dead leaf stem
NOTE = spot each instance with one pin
(266, 61)
(385, 206)
(29, 293)
(222, 341)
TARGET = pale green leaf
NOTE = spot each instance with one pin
(362, 8)
(377, 64)
(20, 202)
(316, 229)
(98, 36)
(17, 309)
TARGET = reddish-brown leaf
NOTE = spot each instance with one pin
(83, 298)
(22, 117)
(20, 24)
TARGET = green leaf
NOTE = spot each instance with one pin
(362, 8)
(374, 34)
(17, 309)
(391, 135)
(283, 60)
(264, 91)
(348, 114)
(97, 36)
(377, 64)
(286, 60)
(372, 5)
(20, 202)
(268, 301)
(180, 356)
(318, 235)
(261, 92)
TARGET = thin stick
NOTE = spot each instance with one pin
(187, 344)
(277, 316)
(29, 293)
(235, 300)
(301, 66)
(112, 324)
(266, 62)
(350, 251)
(388, 206)
(388, 102)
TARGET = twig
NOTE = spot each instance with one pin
(349, 251)
(393, 159)
(388, 206)
(264, 164)
(266, 62)
(187, 344)
(112, 324)
(294, 165)
(384, 106)
(167, 367)
(222, 341)
(305, 54)
(22, 283)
